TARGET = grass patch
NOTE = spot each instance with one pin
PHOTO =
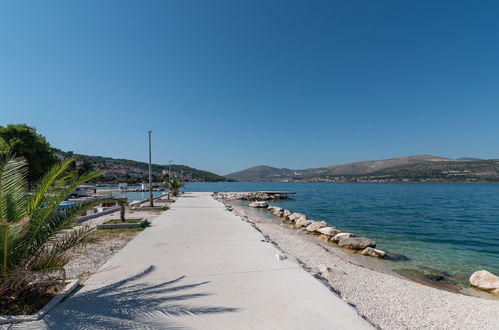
(165, 208)
(113, 221)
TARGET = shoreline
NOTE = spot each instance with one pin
(388, 300)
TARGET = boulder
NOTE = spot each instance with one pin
(301, 231)
(315, 225)
(331, 231)
(372, 252)
(295, 216)
(302, 222)
(258, 204)
(286, 213)
(485, 280)
(356, 243)
(326, 238)
(339, 236)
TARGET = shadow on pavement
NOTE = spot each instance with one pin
(129, 305)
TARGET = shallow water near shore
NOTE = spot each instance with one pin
(450, 227)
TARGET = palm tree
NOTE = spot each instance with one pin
(174, 185)
(32, 244)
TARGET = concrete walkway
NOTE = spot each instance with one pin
(201, 267)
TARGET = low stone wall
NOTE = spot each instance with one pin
(98, 214)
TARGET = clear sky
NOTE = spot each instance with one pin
(226, 85)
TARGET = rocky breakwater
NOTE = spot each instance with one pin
(247, 196)
(327, 233)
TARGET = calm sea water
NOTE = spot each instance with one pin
(447, 226)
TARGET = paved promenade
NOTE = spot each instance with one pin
(201, 267)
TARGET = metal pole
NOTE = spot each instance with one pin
(150, 173)
(170, 170)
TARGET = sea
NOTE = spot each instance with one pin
(449, 227)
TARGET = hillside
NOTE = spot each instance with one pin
(258, 173)
(411, 168)
(126, 170)
(451, 171)
(366, 167)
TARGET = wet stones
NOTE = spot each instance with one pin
(330, 231)
(316, 225)
(372, 252)
(356, 243)
(339, 236)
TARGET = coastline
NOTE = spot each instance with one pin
(386, 299)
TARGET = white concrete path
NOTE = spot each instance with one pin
(201, 267)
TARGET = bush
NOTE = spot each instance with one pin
(145, 224)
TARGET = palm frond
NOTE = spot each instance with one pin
(50, 206)
(13, 173)
(10, 235)
(48, 262)
(41, 230)
(69, 239)
(46, 183)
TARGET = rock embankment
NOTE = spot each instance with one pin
(247, 196)
(347, 241)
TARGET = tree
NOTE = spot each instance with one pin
(174, 185)
(123, 202)
(85, 167)
(33, 248)
(24, 142)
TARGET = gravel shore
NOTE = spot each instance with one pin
(387, 301)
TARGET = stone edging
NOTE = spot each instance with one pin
(70, 287)
(121, 225)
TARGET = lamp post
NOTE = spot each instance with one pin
(150, 173)
(170, 170)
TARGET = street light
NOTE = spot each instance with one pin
(170, 170)
(151, 204)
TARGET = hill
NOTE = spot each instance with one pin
(126, 170)
(410, 168)
(257, 173)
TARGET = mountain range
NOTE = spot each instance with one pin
(410, 168)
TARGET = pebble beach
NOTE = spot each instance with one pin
(386, 300)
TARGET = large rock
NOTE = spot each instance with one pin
(295, 216)
(485, 280)
(356, 243)
(339, 236)
(258, 204)
(372, 252)
(316, 225)
(326, 238)
(286, 213)
(301, 222)
(331, 231)
(278, 212)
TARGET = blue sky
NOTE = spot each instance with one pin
(226, 85)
